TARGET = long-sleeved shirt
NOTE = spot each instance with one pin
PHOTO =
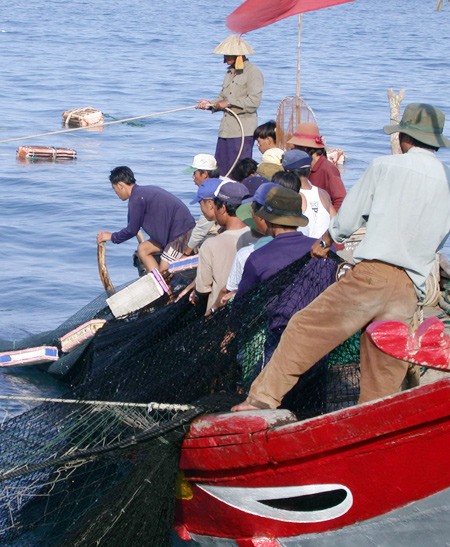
(243, 89)
(203, 227)
(282, 251)
(276, 255)
(325, 175)
(159, 213)
(404, 201)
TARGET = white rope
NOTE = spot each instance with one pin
(149, 406)
(86, 128)
(241, 127)
(432, 285)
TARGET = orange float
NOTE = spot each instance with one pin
(45, 153)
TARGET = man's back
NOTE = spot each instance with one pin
(215, 258)
(159, 213)
(318, 215)
(407, 201)
(283, 250)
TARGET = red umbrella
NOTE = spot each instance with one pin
(253, 14)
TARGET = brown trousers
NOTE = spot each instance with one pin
(371, 291)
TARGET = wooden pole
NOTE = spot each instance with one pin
(297, 90)
(394, 104)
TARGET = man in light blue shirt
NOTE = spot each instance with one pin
(404, 202)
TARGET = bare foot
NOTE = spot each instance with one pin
(244, 406)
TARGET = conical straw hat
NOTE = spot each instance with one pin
(233, 45)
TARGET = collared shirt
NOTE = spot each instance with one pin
(326, 175)
(159, 213)
(406, 201)
(243, 89)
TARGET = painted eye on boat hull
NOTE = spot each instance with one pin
(310, 503)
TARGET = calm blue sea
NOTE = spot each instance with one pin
(135, 57)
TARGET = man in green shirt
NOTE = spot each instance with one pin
(241, 93)
(404, 202)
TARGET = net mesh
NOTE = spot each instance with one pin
(292, 111)
(96, 309)
(101, 470)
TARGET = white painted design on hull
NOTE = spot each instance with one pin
(309, 503)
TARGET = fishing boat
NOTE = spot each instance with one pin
(345, 477)
(366, 473)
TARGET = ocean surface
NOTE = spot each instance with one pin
(137, 58)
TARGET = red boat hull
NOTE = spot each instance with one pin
(265, 475)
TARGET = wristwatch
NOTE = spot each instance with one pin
(324, 244)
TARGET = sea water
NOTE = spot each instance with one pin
(134, 58)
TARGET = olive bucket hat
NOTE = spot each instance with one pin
(422, 122)
(283, 206)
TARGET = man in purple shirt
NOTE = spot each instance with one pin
(282, 211)
(164, 217)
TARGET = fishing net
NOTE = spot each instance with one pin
(101, 467)
(82, 473)
(97, 308)
(292, 111)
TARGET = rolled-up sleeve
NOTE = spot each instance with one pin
(204, 276)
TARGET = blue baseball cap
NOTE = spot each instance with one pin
(261, 192)
(232, 192)
(295, 159)
(207, 190)
(253, 182)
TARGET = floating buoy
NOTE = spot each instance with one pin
(79, 335)
(137, 295)
(82, 117)
(29, 356)
(48, 153)
(183, 264)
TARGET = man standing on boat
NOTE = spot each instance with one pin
(404, 201)
(241, 93)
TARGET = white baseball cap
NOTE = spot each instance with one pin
(204, 162)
